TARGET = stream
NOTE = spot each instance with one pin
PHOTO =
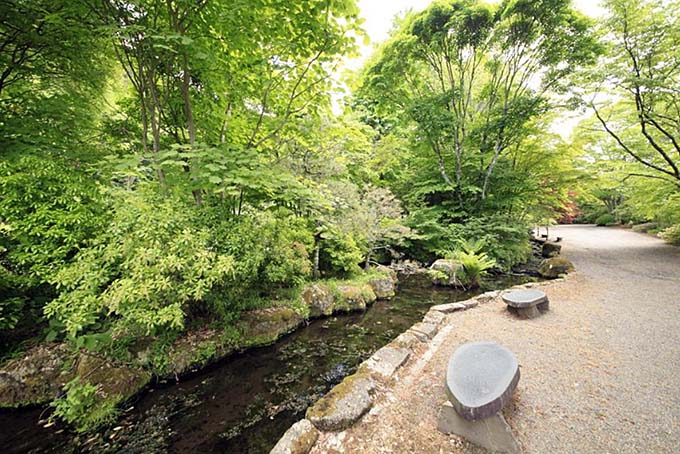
(244, 403)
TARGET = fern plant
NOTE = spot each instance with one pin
(474, 263)
(474, 267)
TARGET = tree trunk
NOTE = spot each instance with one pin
(317, 251)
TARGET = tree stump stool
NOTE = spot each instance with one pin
(480, 380)
(526, 303)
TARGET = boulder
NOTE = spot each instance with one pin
(36, 378)
(344, 404)
(644, 228)
(264, 326)
(389, 272)
(194, 350)
(116, 382)
(551, 249)
(319, 298)
(383, 287)
(299, 439)
(553, 267)
(444, 272)
(352, 298)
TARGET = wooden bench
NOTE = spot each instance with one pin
(526, 303)
(480, 380)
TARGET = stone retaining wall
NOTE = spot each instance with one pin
(347, 402)
(41, 374)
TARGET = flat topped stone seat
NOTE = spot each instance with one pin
(480, 379)
(526, 303)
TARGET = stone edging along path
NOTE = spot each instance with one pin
(346, 403)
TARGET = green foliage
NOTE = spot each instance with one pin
(504, 240)
(671, 234)
(83, 407)
(474, 267)
(50, 208)
(458, 79)
(147, 269)
(605, 219)
(342, 255)
(10, 312)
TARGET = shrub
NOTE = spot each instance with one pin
(288, 241)
(474, 263)
(672, 235)
(49, 209)
(341, 255)
(272, 249)
(605, 219)
(505, 241)
(82, 407)
(143, 274)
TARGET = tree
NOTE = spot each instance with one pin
(217, 82)
(471, 76)
(382, 221)
(640, 76)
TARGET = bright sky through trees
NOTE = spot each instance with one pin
(379, 15)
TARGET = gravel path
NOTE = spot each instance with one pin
(600, 371)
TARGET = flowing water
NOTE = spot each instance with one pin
(244, 403)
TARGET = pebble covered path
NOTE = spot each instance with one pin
(600, 372)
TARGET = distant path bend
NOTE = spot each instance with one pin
(600, 371)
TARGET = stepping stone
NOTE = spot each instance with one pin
(526, 303)
(480, 379)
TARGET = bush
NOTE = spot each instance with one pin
(272, 249)
(605, 219)
(672, 235)
(341, 255)
(48, 210)
(505, 240)
(144, 273)
(82, 407)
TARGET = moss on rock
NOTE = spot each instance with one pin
(319, 298)
(553, 267)
(344, 404)
(351, 298)
(264, 326)
(36, 378)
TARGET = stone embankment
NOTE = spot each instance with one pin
(40, 376)
(346, 404)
